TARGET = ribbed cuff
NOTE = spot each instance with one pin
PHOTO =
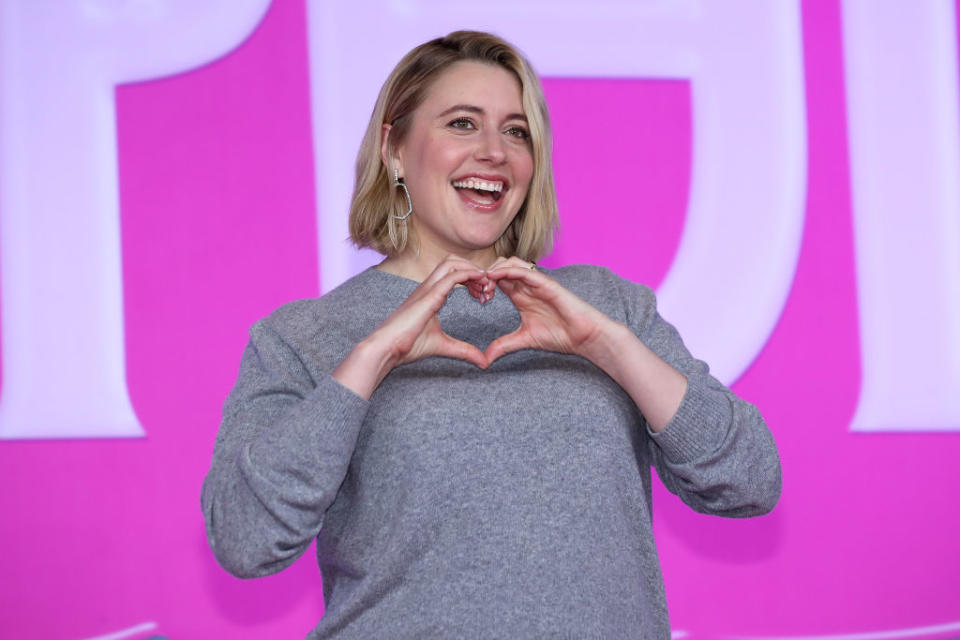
(699, 425)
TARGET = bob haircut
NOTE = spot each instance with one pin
(376, 201)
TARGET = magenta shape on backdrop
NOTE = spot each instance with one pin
(622, 168)
(218, 229)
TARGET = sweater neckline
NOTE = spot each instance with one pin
(394, 277)
(401, 287)
(398, 282)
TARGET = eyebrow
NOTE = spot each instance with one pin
(474, 109)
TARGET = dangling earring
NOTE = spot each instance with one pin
(406, 192)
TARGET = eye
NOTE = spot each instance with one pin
(518, 132)
(461, 123)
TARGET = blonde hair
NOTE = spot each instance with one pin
(375, 199)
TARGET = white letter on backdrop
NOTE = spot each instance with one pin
(62, 294)
(744, 59)
(901, 80)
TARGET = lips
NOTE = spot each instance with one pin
(481, 191)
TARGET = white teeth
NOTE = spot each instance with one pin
(474, 183)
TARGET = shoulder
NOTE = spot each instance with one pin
(338, 318)
(308, 311)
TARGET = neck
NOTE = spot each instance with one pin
(417, 265)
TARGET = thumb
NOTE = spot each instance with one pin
(506, 344)
(451, 348)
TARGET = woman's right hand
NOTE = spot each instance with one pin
(413, 332)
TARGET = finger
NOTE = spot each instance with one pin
(513, 287)
(508, 287)
(433, 295)
(475, 288)
(468, 277)
(512, 262)
(439, 285)
(452, 348)
(449, 265)
(512, 272)
(430, 297)
(515, 281)
(483, 294)
(498, 262)
(480, 288)
(507, 344)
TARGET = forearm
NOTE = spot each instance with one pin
(654, 385)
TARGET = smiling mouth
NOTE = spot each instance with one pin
(480, 191)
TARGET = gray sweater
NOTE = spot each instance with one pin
(460, 503)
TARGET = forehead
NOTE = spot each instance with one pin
(488, 86)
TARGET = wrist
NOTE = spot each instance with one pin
(378, 355)
(365, 367)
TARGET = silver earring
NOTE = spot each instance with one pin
(406, 192)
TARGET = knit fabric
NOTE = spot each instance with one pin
(460, 503)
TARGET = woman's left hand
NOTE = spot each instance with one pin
(551, 317)
(554, 319)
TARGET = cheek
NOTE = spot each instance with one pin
(523, 170)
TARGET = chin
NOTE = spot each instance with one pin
(478, 245)
(475, 242)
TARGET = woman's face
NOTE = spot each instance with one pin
(467, 159)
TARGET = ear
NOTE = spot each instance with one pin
(389, 153)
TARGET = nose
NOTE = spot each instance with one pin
(490, 147)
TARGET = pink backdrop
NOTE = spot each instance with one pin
(218, 228)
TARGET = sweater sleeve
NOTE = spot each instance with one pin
(281, 454)
(716, 453)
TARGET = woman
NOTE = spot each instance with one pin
(474, 461)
